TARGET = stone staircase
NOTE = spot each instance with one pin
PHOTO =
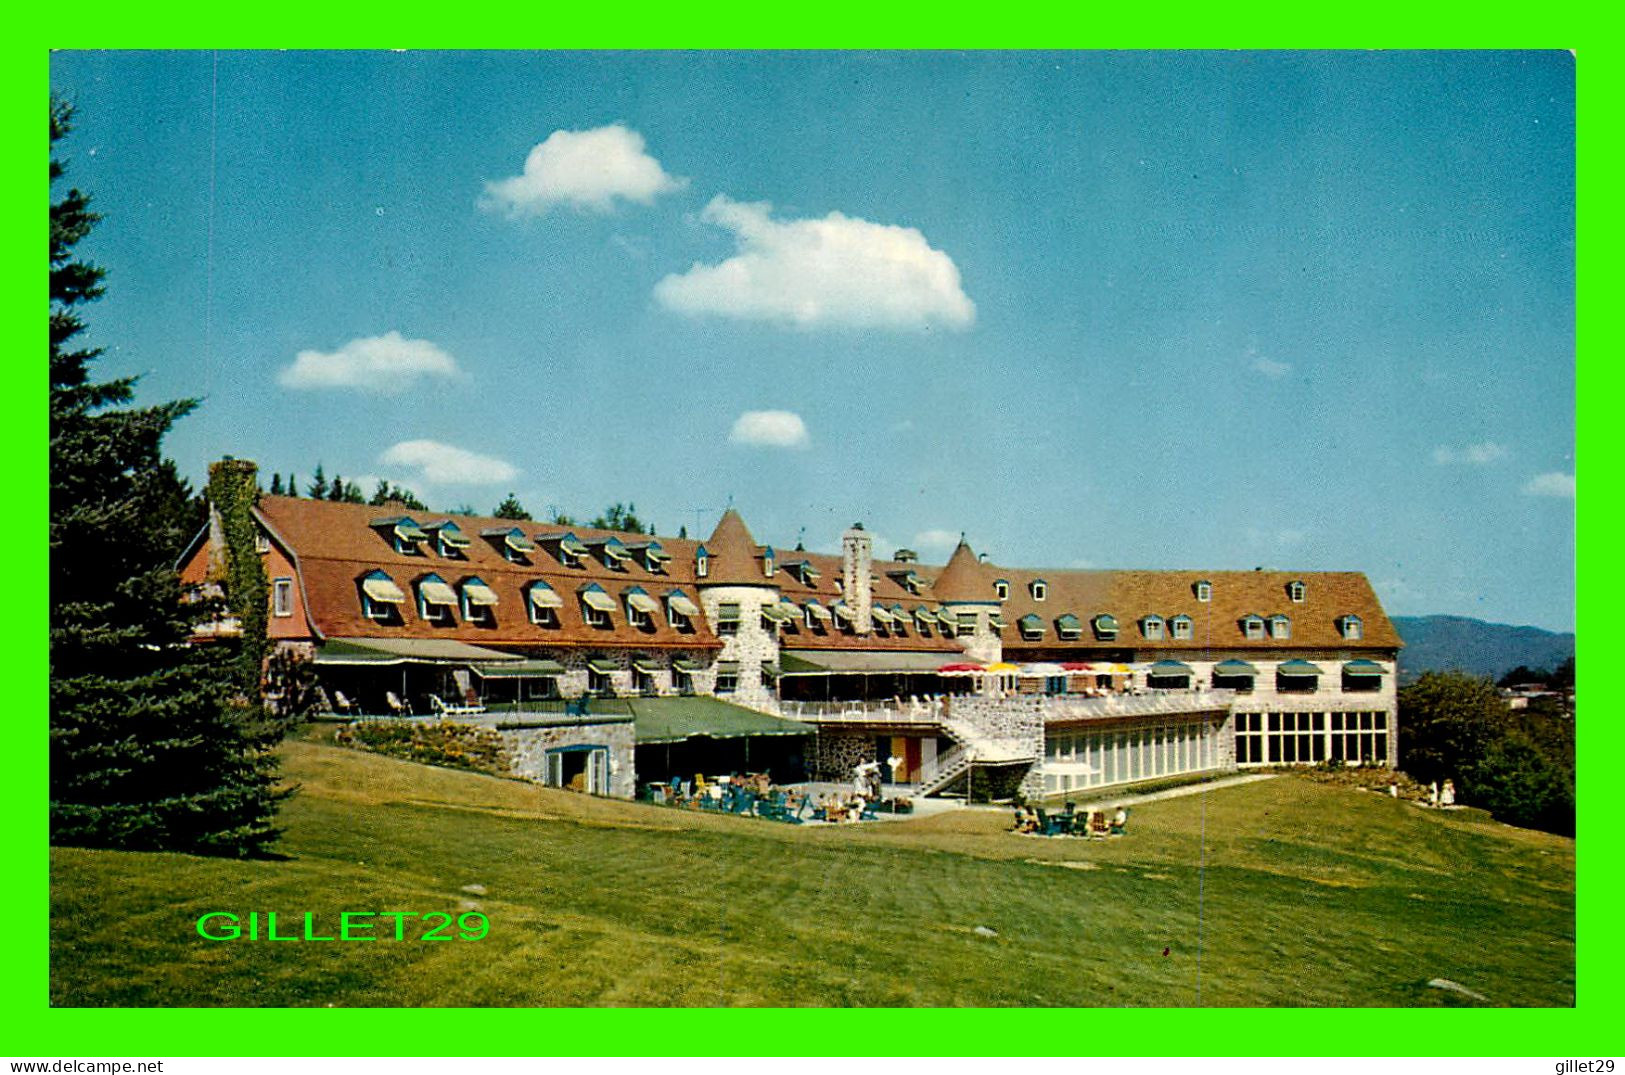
(971, 747)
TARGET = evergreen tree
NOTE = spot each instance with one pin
(335, 492)
(293, 484)
(276, 485)
(510, 508)
(149, 746)
(318, 486)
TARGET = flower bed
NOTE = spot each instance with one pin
(446, 743)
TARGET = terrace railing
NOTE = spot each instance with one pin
(922, 712)
(1145, 704)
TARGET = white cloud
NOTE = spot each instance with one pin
(1269, 367)
(837, 270)
(936, 539)
(582, 169)
(388, 364)
(770, 429)
(1551, 484)
(442, 464)
(1472, 454)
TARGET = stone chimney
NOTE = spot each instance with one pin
(227, 476)
(857, 556)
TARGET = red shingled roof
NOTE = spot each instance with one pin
(336, 545)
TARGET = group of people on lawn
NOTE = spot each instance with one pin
(1092, 823)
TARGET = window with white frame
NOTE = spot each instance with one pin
(728, 618)
(1204, 591)
(1295, 590)
(282, 597)
(599, 679)
(436, 599)
(262, 542)
(1253, 628)
(1353, 629)
(1151, 626)
(636, 617)
(702, 564)
(1181, 627)
(967, 623)
(1001, 587)
(1039, 589)
(727, 678)
(1280, 627)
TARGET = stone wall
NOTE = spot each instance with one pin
(837, 753)
(749, 647)
(528, 747)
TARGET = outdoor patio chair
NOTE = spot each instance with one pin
(396, 706)
(868, 812)
(1118, 827)
(445, 710)
(323, 705)
(343, 704)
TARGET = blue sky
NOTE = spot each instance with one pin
(1096, 310)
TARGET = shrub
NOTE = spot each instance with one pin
(446, 743)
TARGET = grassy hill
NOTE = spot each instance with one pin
(1297, 894)
(1440, 643)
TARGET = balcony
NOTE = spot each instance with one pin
(926, 712)
(1147, 704)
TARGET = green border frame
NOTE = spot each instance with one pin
(35, 1029)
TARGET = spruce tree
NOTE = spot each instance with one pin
(150, 745)
(276, 485)
(510, 508)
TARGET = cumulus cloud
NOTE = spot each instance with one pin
(582, 169)
(388, 364)
(1269, 367)
(834, 270)
(936, 539)
(770, 429)
(443, 464)
(1471, 455)
(1553, 483)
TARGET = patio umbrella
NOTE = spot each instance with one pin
(1042, 670)
(1002, 668)
(960, 670)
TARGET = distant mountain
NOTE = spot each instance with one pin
(1437, 643)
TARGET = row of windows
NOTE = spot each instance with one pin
(449, 542)
(1296, 591)
(439, 602)
(818, 618)
(1295, 738)
(1089, 759)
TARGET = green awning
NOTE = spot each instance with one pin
(770, 669)
(671, 720)
(520, 670)
(682, 605)
(602, 667)
(382, 588)
(1031, 624)
(544, 596)
(648, 668)
(868, 662)
(778, 613)
(683, 664)
(397, 650)
(404, 528)
(995, 621)
(615, 550)
(657, 554)
(925, 615)
(514, 538)
(573, 545)
(452, 535)
(790, 662)
(639, 599)
(435, 591)
(1297, 667)
(1106, 623)
(727, 667)
(819, 611)
(1363, 667)
(842, 611)
(595, 598)
(478, 593)
(880, 614)
(1169, 668)
(1234, 667)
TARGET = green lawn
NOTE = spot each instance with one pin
(1282, 892)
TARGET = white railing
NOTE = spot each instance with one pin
(890, 711)
(1136, 705)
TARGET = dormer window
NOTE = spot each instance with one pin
(640, 607)
(767, 562)
(1039, 589)
(571, 550)
(1252, 627)
(908, 580)
(512, 542)
(1031, 626)
(1151, 628)
(449, 540)
(818, 615)
(1280, 627)
(543, 604)
(702, 562)
(1001, 587)
(1105, 626)
(1352, 627)
(436, 599)
(1295, 591)
(900, 620)
(596, 606)
(380, 597)
(809, 574)
(403, 534)
(1204, 591)
(654, 557)
(1068, 627)
(681, 612)
(880, 617)
(479, 601)
(615, 554)
(1181, 627)
(262, 541)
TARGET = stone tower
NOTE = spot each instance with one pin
(857, 589)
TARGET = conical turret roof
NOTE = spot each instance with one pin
(734, 558)
(964, 579)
